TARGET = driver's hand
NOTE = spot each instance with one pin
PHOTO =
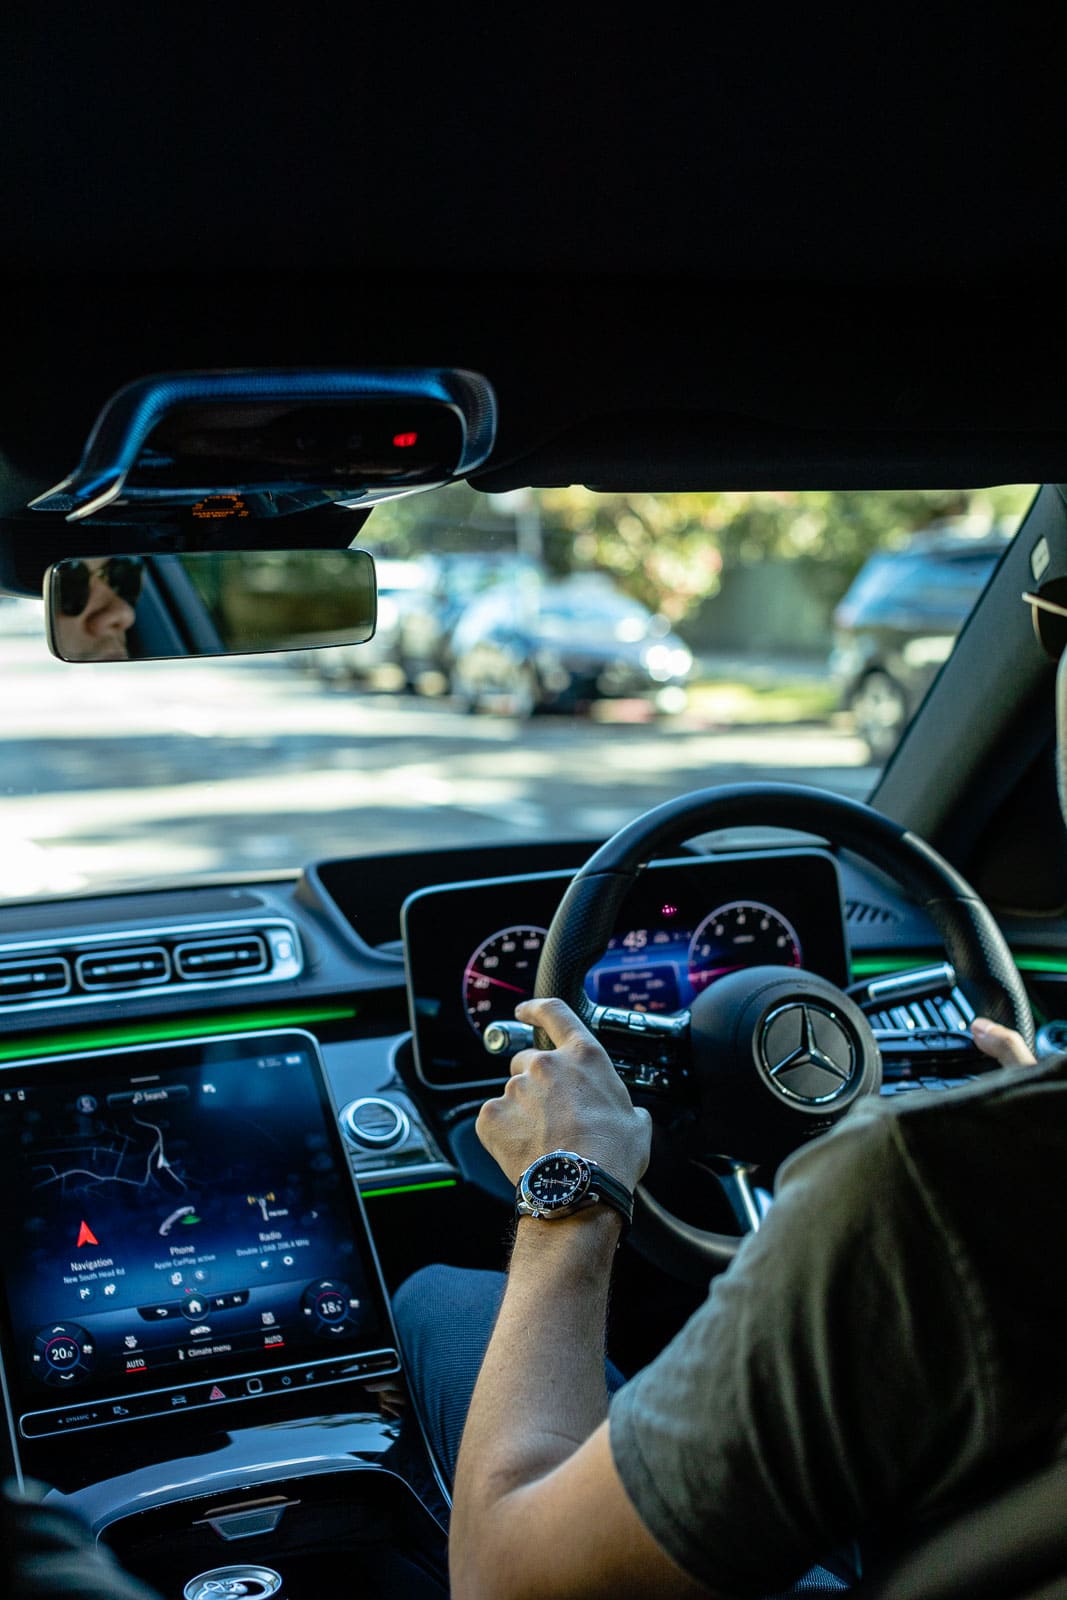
(569, 1098)
(1002, 1044)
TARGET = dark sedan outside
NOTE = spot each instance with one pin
(564, 645)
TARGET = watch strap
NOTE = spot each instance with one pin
(612, 1192)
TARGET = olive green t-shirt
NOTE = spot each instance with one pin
(890, 1342)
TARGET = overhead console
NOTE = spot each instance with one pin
(182, 1235)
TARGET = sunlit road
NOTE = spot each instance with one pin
(121, 773)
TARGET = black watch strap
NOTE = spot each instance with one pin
(612, 1193)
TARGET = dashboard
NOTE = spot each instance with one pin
(233, 1117)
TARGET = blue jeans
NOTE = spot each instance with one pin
(445, 1316)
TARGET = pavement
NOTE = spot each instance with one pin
(131, 772)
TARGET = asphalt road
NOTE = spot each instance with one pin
(118, 773)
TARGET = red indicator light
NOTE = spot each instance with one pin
(404, 441)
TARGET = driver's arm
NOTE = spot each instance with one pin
(539, 1508)
(778, 1424)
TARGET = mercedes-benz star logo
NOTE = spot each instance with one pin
(807, 1053)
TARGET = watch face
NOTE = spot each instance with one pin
(556, 1180)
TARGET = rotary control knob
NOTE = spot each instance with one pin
(374, 1123)
(63, 1354)
(330, 1306)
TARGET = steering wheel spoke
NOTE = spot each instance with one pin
(651, 1052)
(748, 1202)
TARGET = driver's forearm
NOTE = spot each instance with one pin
(541, 1389)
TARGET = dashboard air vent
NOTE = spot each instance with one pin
(221, 958)
(128, 967)
(72, 970)
(32, 980)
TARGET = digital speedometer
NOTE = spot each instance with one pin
(744, 933)
(500, 973)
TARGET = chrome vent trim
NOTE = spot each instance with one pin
(97, 968)
(41, 977)
(127, 967)
(215, 960)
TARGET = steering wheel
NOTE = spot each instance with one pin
(767, 1057)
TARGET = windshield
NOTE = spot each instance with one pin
(547, 666)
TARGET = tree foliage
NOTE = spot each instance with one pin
(670, 550)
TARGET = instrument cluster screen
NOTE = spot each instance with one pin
(684, 926)
(176, 1217)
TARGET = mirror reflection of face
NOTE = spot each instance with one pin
(98, 632)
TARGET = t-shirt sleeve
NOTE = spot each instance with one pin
(831, 1382)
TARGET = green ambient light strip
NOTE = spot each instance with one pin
(871, 966)
(56, 1044)
(409, 1188)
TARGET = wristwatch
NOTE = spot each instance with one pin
(562, 1182)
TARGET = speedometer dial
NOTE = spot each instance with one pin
(500, 973)
(744, 933)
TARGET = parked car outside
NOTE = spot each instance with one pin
(399, 583)
(562, 645)
(897, 623)
(454, 580)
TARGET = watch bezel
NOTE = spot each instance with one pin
(556, 1208)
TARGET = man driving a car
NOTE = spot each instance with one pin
(884, 1351)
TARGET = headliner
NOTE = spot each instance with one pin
(759, 254)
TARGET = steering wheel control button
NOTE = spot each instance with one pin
(807, 1052)
(330, 1305)
(63, 1354)
(243, 1582)
(375, 1123)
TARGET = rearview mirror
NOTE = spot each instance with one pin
(232, 602)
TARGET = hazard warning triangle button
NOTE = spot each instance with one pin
(217, 1393)
(86, 1236)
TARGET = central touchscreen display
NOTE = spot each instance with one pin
(175, 1217)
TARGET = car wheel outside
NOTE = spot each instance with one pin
(879, 713)
(524, 692)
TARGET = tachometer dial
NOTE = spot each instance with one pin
(744, 933)
(500, 973)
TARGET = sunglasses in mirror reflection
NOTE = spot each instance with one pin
(93, 606)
